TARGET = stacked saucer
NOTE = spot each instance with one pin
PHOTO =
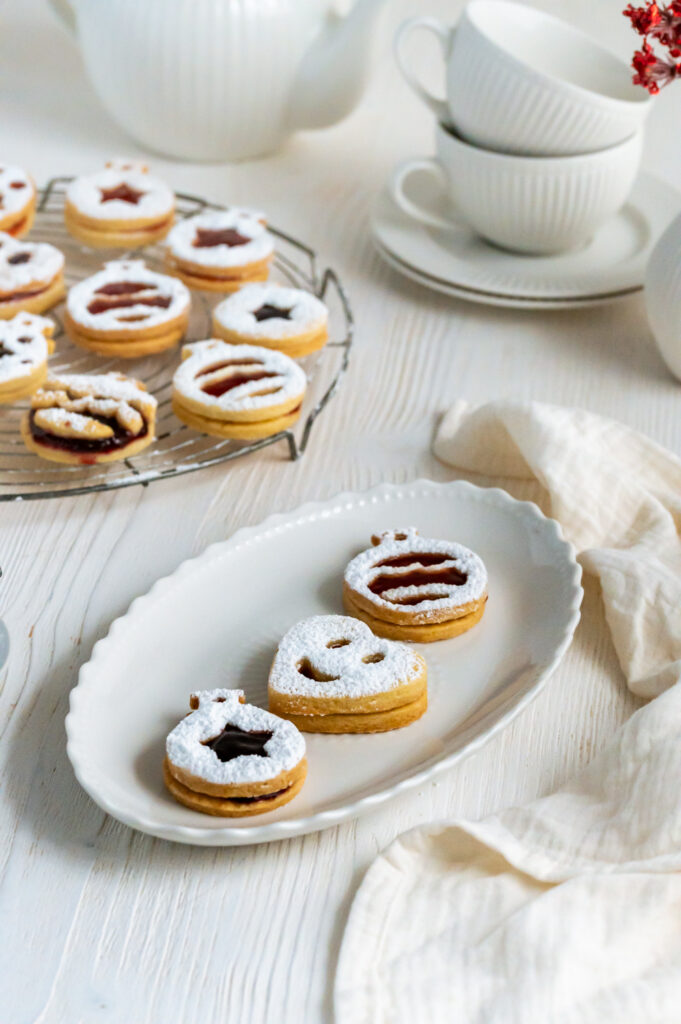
(538, 147)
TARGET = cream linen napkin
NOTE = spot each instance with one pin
(567, 910)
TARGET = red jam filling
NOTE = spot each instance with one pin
(87, 449)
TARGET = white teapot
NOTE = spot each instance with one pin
(222, 79)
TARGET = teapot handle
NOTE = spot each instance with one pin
(444, 34)
(65, 11)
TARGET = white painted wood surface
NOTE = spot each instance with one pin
(98, 923)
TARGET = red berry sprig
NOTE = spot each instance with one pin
(659, 24)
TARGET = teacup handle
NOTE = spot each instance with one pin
(65, 11)
(412, 209)
(444, 34)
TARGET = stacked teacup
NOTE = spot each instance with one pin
(540, 138)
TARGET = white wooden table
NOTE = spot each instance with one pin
(98, 923)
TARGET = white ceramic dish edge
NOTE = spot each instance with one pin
(87, 678)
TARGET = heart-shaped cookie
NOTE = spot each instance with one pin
(331, 674)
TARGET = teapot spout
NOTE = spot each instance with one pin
(333, 73)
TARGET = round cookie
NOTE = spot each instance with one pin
(408, 587)
(127, 311)
(25, 343)
(238, 392)
(121, 206)
(86, 419)
(289, 319)
(31, 276)
(220, 250)
(232, 759)
(331, 674)
(17, 201)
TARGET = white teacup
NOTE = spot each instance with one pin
(537, 205)
(521, 81)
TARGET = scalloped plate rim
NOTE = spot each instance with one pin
(230, 836)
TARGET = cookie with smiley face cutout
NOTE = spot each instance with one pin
(240, 392)
(127, 311)
(232, 759)
(408, 587)
(25, 344)
(288, 319)
(85, 419)
(220, 250)
(331, 674)
(31, 276)
(17, 201)
(121, 206)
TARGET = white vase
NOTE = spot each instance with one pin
(663, 295)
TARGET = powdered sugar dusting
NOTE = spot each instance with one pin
(16, 190)
(85, 193)
(23, 344)
(365, 569)
(180, 241)
(185, 745)
(42, 265)
(82, 295)
(94, 392)
(317, 641)
(305, 312)
(191, 375)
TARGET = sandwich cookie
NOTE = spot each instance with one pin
(17, 201)
(408, 587)
(220, 250)
(239, 392)
(25, 343)
(232, 759)
(127, 311)
(121, 206)
(31, 276)
(289, 319)
(331, 674)
(85, 419)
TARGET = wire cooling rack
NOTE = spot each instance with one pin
(177, 449)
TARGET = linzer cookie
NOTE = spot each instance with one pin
(288, 319)
(331, 674)
(127, 310)
(25, 344)
(17, 201)
(84, 419)
(220, 250)
(31, 276)
(232, 759)
(121, 206)
(240, 392)
(408, 587)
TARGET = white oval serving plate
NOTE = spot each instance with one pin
(217, 621)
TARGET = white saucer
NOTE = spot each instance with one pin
(217, 621)
(459, 263)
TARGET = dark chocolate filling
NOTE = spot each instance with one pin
(268, 312)
(254, 799)
(234, 742)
